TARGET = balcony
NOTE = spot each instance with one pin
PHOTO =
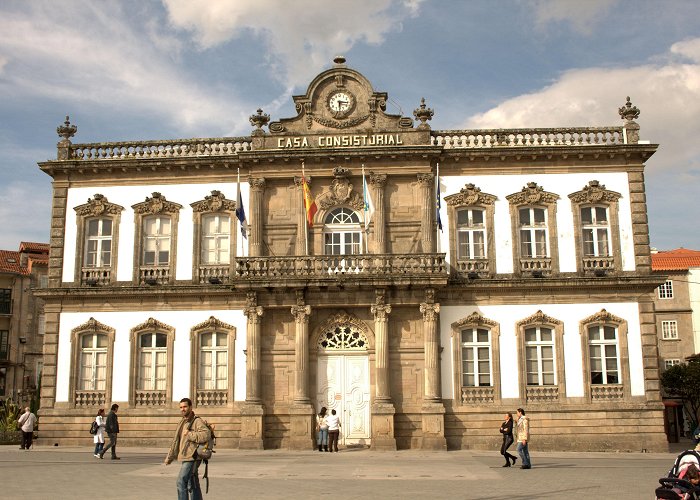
(368, 268)
(95, 276)
(214, 274)
(541, 266)
(598, 264)
(478, 395)
(89, 398)
(212, 397)
(471, 268)
(150, 275)
(150, 398)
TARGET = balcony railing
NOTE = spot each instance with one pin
(95, 275)
(178, 148)
(606, 392)
(90, 398)
(212, 397)
(150, 398)
(152, 275)
(537, 137)
(598, 263)
(214, 274)
(466, 267)
(542, 265)
(478, 395)
(323, 267)
(541, 393)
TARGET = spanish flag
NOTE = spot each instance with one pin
(309, 203)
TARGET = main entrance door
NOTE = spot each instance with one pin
(343, 386)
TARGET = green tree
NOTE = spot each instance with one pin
(683, 381)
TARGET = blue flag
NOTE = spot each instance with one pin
(240, 213)
(437, 203)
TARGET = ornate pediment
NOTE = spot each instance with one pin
(212, 324)
(603, 317)
(214, 203)
(470, 195)
(92, 326)
(595, 192)
(98, 205)
(539, 318)
(474, 319)
(341, 192)
(343, 331)
(532, 194)
(152, 324)
(157, 204)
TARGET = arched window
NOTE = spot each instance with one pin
(93, 362)
(151, 364)
(92, 347)
(213, 343)
(342, 232)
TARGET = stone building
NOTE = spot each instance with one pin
(421, 282)
(22, 320)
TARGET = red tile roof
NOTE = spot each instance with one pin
(10, 263)
(679, 259)
(29, 247)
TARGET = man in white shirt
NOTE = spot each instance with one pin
(333, 422)
(27, 422)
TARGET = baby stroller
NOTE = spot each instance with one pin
(674, 486)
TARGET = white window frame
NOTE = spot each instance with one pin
(343, 223)
(669, 329)
(221, 239)
(668, 363)
(603, 344)
(474, 346)
(470, 228)
(533, 229)
(538, 344)
(158, 238)
(99, 259)
(666, 290)
(213, 382)
(93, 383)
(151, 383)
(594, 227)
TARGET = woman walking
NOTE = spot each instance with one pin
(507, 431)
(333, 422)
(322, 430)
(100, 434)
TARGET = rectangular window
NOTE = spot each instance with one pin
(666, 290)
(156, 245)
(603, 355)
(98, 244)
(533, 233)
(668, 363)
(216, 235)
(669, 330)
(41, 324)
(539, 356)
(596, 231)
(476, 357)
(43, 281)
(93, 363)
(5, 301)
(4, 344)
(471, 234)
(153, 362)
(213, 371)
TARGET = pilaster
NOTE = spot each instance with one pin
(378, 181)
(433, 411)
(257, 188)
(252, 412)
(425, 182)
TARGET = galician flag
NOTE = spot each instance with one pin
(309, 202)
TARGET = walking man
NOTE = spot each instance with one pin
(27, 422)
(190, 433)
(112, 429)
(334, 426)
(522, 436)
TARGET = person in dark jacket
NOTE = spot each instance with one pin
(507, 431)
(112, 428)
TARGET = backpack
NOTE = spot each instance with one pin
(204, 451)
(94, 427)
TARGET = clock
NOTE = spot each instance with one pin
(341, 103)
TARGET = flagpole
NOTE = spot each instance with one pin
(364, 207)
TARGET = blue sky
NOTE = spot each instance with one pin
(135, 70)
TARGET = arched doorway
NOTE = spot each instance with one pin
(343, 377)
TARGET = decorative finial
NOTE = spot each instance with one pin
(629, 112)
(339, 60)
(66, 130)
(259, 121)
(423, 114)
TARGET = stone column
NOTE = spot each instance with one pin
(300, 247)
(252, 412)
(378, 181)
(257, 188)
(301, 412)
(426, 183)
(433, 411)
(382, 409)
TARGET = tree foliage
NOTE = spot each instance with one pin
(683, 381)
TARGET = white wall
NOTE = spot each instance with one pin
(694, 292)
(126, 196)
(123, 322)
(570, 314)
(561, 184)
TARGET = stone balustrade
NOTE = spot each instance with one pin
(537, 137)
(89, 398)
(480, 266)
(179, 148)
(150, 398)
(367, 265)
(96, 275)
(478, 395)
(543, 265)
(595, 263)
(152, 275)
(606, 392)
(541, 393)
(212, 397)
(214, 274)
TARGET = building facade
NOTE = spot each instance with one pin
(22, 320)
(420, 282)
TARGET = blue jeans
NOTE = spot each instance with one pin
(98, 448)
(322, 437)
(524, 453)
(188, 481)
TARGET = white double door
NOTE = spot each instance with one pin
(343, 386)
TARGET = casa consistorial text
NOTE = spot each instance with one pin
(335, 141)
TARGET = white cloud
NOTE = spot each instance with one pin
(301, 36)
(581, 15)
(20, 202)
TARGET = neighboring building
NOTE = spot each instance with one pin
(677, 303)
(22, 320)
(535, 292)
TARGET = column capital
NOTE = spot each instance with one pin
(429, 311)
(425, 179)
(378, 180)
(380, 311)
(301, 313)
(257, 183)
(253, 313)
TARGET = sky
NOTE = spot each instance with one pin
(149, 70)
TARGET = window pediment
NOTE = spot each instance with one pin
(594, 192)
(470, 195)
(343, 331)
(91, 326)
(603, 317)
(152, 324)
(532, 194)
(539, 318)
(474, 319)
(214, 203)
(98, 205)
(157, 204)
(211, 324)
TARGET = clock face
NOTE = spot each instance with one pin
(340, 103)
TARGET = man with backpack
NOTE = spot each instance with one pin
(112, 429)
(192, 432)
